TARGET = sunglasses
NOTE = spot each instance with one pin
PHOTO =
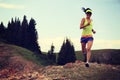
(89, 13)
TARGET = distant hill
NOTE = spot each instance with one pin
(108, 56)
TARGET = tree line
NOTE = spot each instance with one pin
(24, 34)
(21, 33)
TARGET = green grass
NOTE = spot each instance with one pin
(40, 59)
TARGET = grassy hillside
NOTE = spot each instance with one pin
(109, 56)
(17, 63)
(12, 50)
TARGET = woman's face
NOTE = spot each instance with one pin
(88, 14)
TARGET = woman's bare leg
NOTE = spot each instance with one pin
(89, 45)
(83, 45)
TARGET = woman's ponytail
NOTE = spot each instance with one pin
(84, 10)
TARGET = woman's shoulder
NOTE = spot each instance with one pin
(83, 19)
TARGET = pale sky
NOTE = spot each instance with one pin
(58, 19)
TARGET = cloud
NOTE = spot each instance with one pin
(11, 6)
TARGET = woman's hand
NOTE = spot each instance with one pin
(93, 31)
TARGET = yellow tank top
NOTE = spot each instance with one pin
(87, 31)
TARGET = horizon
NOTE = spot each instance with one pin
(58, 19)
(80, 50)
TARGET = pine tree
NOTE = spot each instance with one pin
(51, 54)
(8, 32)
(33, 37)
(67, 53)
(24, 32)
(18, 32)
(2, 31)
(12, 31)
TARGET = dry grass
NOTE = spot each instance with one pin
(78, 71)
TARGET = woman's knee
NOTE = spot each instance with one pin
(89, 45)
(88, 49)
(83, 49)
